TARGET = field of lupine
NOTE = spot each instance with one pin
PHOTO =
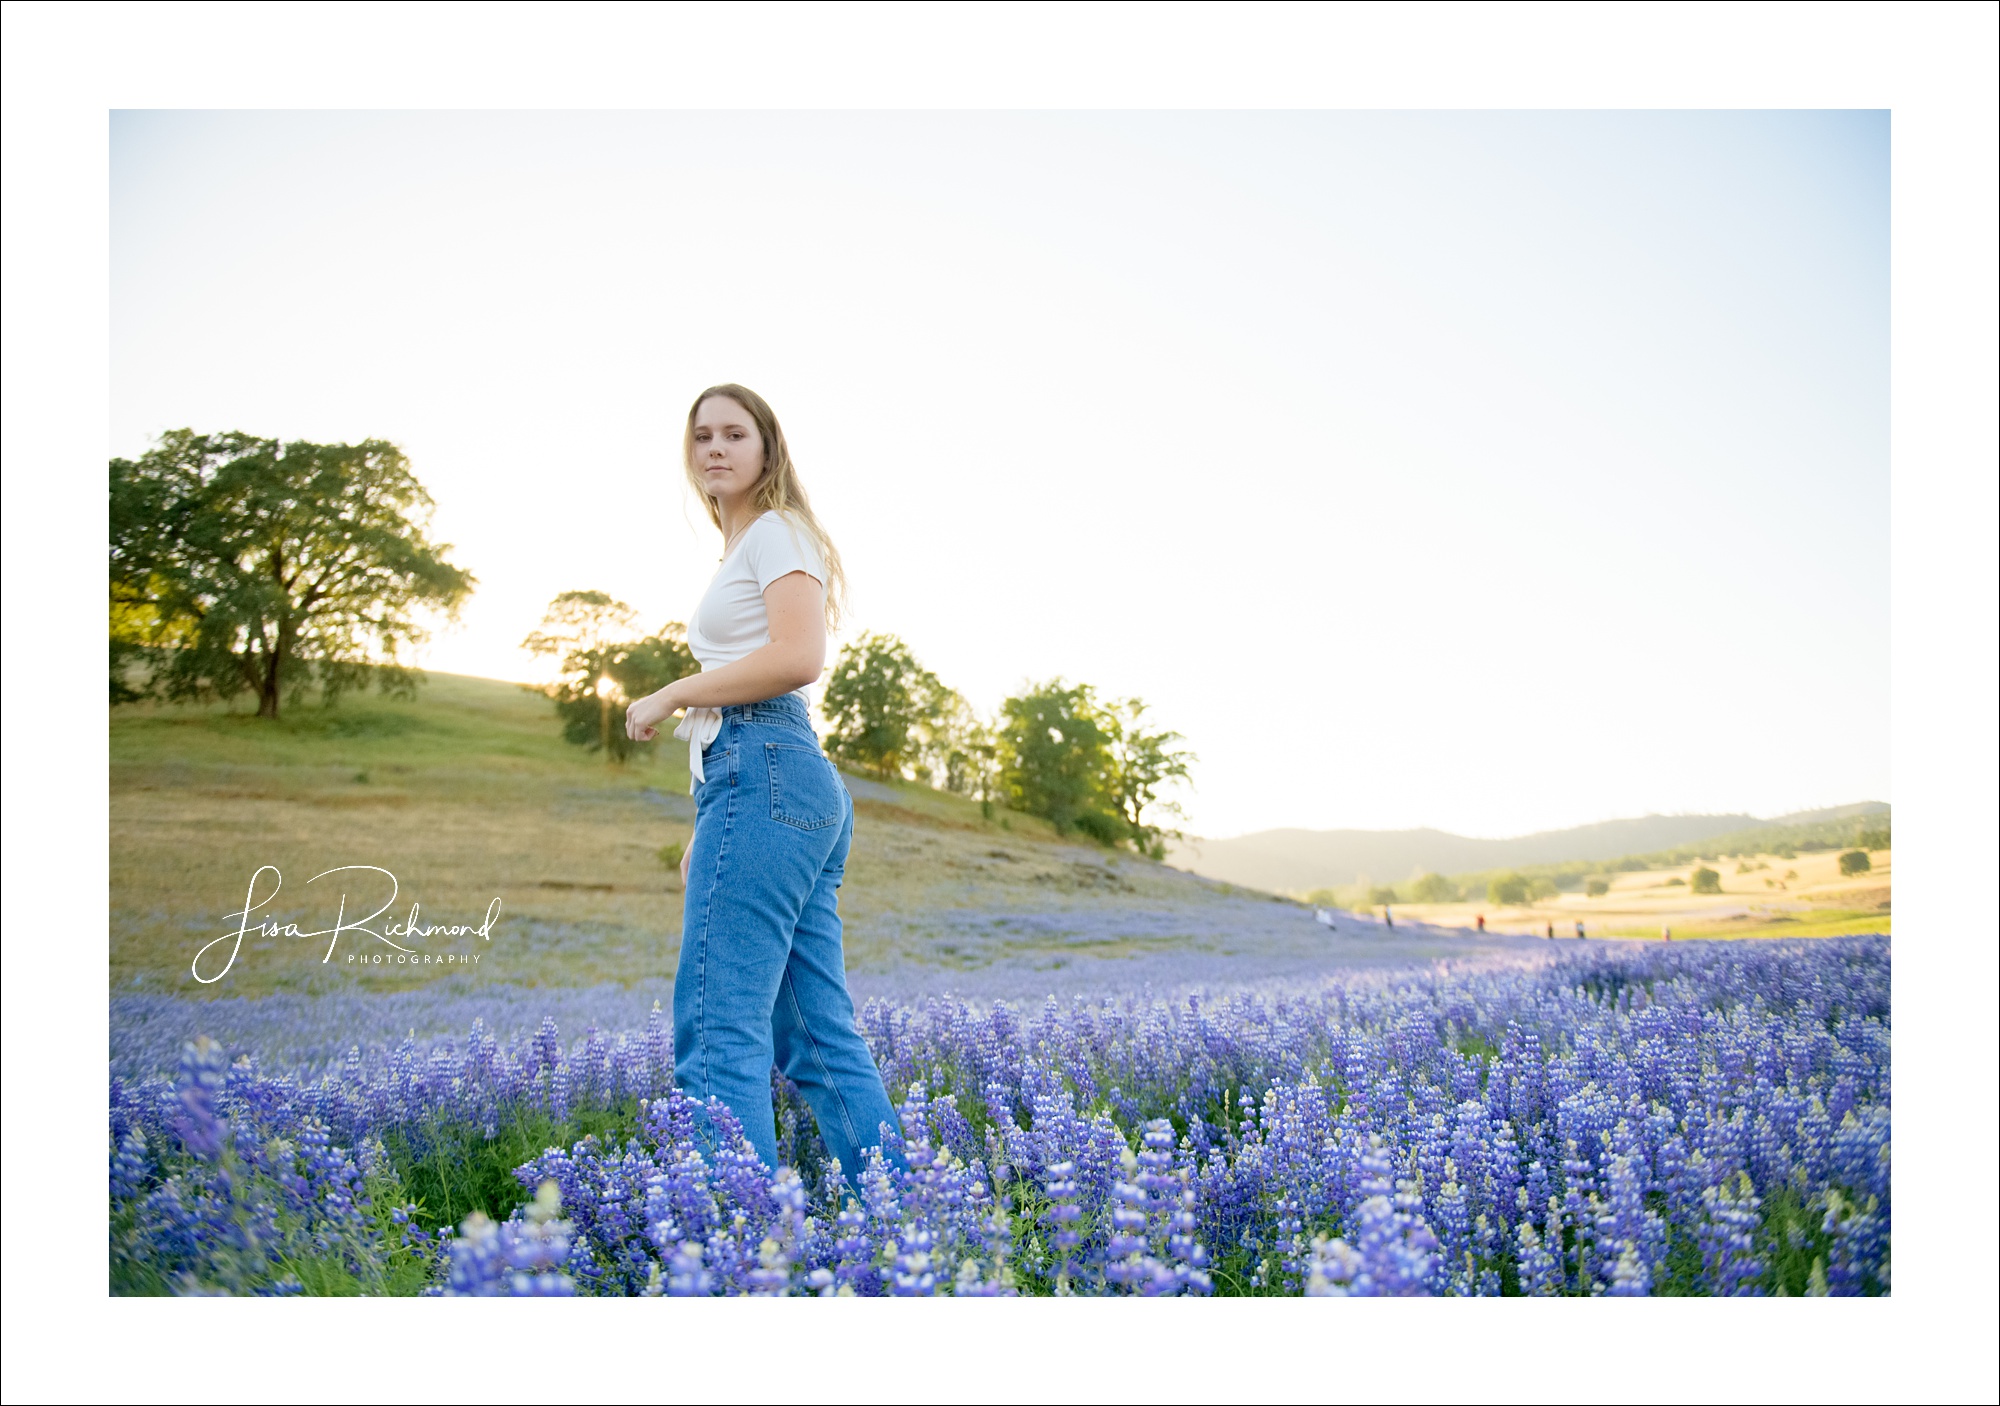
(1701, 1118)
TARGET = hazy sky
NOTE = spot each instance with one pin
(1496, 472)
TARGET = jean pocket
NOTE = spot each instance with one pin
(805, 791)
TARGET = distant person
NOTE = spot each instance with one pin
(1325, 916)
(1666, 933)
(1579, 929)
(1482, 922)
(1552, 929)
(1388, 917)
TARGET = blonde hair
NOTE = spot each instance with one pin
(777, 490)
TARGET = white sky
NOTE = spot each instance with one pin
(1496, 472)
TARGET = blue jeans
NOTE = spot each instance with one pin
(761, 975)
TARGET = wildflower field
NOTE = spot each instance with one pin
(1624, 1118)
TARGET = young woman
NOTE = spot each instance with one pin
(761, 975)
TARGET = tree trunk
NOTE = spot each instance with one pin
(267, 701)
(267, 693)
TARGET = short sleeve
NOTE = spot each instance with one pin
(777, 548)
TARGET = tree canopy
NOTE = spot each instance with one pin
(246, 564)
(605, 664)
(1055, 750)
(876, 699)
(1434, 888)
(1138, 764)
(1055, 759)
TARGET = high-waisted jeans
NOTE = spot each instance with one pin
(761, 975)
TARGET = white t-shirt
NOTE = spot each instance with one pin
(731, 621)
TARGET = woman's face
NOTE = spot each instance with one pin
(728, 451)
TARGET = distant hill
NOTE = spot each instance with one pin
(1299, 860)
(1813, 817)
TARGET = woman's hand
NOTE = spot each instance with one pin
(686, 852)
(644, 715)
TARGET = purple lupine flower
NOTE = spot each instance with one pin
(913, 1272)
(1629, 1277)
(1126, 1262)
(1394, 1253)
(1727, 1236)
(1063, 1215)
(773, 1276)
(130, 1165)
(687, 1277)
(853, 1272)
(1540, 1272)
(1633, 1086)
(1856, 1245)
(204, 1069)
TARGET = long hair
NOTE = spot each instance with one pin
(777, 491)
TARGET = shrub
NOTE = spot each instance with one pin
(1435, 888)
(1542, 886)
(1507, 888)
(1105, 829)
(1872, 839)
(1706, 880)
(1855, 861)
(1596, 887)
(1382, 893)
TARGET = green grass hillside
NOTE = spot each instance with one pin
(467, 794)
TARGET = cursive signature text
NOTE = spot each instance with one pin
(386, 933)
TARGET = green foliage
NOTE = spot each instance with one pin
(1796, 1245)
(877, 700)
(1855, 861)
(1381, 893)
(1055, 751)
(1783, 841)
(1090, 767)
(453, 1169)
(244, 564)
(1705, 880)
(1434, 888)
(604, 667)
(1596, 886)
(955, 749)
(1138, 764)
(1508, 887)
(1055, 756)
(1875, 838)
(1541, 886)
(670, 856)
(892, 716)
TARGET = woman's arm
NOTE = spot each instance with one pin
(795, 657)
